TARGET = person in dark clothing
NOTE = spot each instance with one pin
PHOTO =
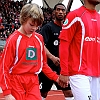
(50, 33)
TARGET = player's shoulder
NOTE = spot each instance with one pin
(77, 12)
(14, 35)
(13, 38)
(74, 15)
(38, 35)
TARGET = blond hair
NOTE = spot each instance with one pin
(32, 11)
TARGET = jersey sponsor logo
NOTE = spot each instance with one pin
(90, 39)
(66, 22)
(94, 20)
(30, 63)
(93, 39)
(31, 53)
(98, 39)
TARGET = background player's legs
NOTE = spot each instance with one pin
(66, 91)
(80, 86)
(45, 85)
(45, 88)
(68, 94)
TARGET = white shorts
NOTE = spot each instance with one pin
(85, 87)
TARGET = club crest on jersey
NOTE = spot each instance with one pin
(31, 54)
(65, 22)
(56, 42)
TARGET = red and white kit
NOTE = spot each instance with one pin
(22, 60)
(80, 42)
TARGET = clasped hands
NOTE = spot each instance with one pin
(63, 81)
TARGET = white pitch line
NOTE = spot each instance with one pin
(55, 95)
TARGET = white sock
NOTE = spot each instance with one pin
(69, 98)
(43, 98)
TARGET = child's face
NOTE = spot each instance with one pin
(29, 27)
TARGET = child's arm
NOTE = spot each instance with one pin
(47, 70)
(49, 73)
(5, 63)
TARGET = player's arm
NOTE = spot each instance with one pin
(45, 31)
(5, 64)
(66, 36)
(55, 60)
(46, 69)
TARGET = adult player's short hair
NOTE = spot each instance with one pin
(57, 5)
(32, 11)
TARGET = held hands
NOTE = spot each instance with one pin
(63, 81)
(9, 97)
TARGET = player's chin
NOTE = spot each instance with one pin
(60, 18)
(31, 32)
(96, 2)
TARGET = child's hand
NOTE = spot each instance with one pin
(63, 81)
(9, 97)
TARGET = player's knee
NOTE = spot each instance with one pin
(44, 94)
(67, 93)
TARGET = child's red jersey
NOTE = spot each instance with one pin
(23, 55)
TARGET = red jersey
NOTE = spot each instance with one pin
(23, 55)
(80, 43)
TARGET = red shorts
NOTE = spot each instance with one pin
(25, 87)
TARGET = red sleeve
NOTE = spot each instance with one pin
(5, 65)
(63, 54)
(66, 36)
(49, 73)
(69, 27)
